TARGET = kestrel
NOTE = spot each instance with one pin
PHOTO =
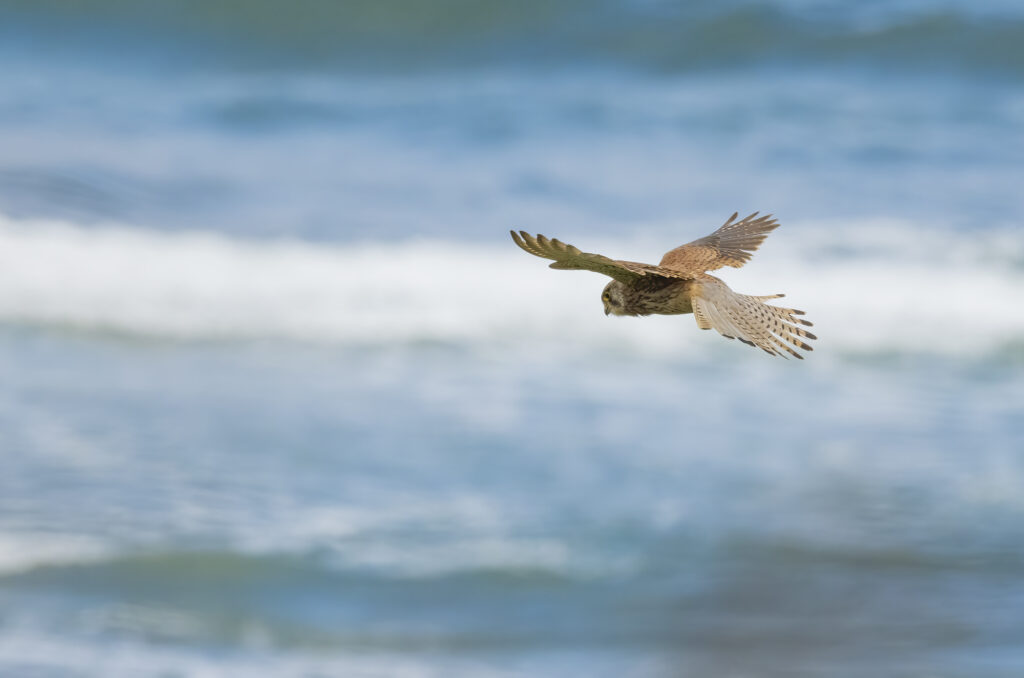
(680, 284)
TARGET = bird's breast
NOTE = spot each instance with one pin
(659, 296)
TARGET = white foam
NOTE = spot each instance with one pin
(23, 551)
(477, 537)
(39, 652)
(868, 287)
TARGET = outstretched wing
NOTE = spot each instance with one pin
(731, 245)
(568, 257)
(749, 319)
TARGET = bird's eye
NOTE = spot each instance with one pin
(606, 297)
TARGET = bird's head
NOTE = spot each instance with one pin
(614, 298)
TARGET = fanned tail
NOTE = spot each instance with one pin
(774, 329)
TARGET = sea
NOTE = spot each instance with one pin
(280, 397)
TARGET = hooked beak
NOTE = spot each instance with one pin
(607, 311)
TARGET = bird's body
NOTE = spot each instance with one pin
(648, 295)
(681, 284)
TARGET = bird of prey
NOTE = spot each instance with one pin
(681, 284)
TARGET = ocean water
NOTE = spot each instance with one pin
(279, 396)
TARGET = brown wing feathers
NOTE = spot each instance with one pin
(543, 247)
(731, 245)
(568, 257)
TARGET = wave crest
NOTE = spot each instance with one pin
(869, 288)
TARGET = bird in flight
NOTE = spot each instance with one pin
(681, 284)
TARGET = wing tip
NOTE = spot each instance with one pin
(520, 239)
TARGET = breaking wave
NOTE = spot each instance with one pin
(869, 287)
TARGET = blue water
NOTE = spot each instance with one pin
(279, 396)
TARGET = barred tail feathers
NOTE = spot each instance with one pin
(774, 329)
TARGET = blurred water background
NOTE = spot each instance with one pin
(279, 396)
